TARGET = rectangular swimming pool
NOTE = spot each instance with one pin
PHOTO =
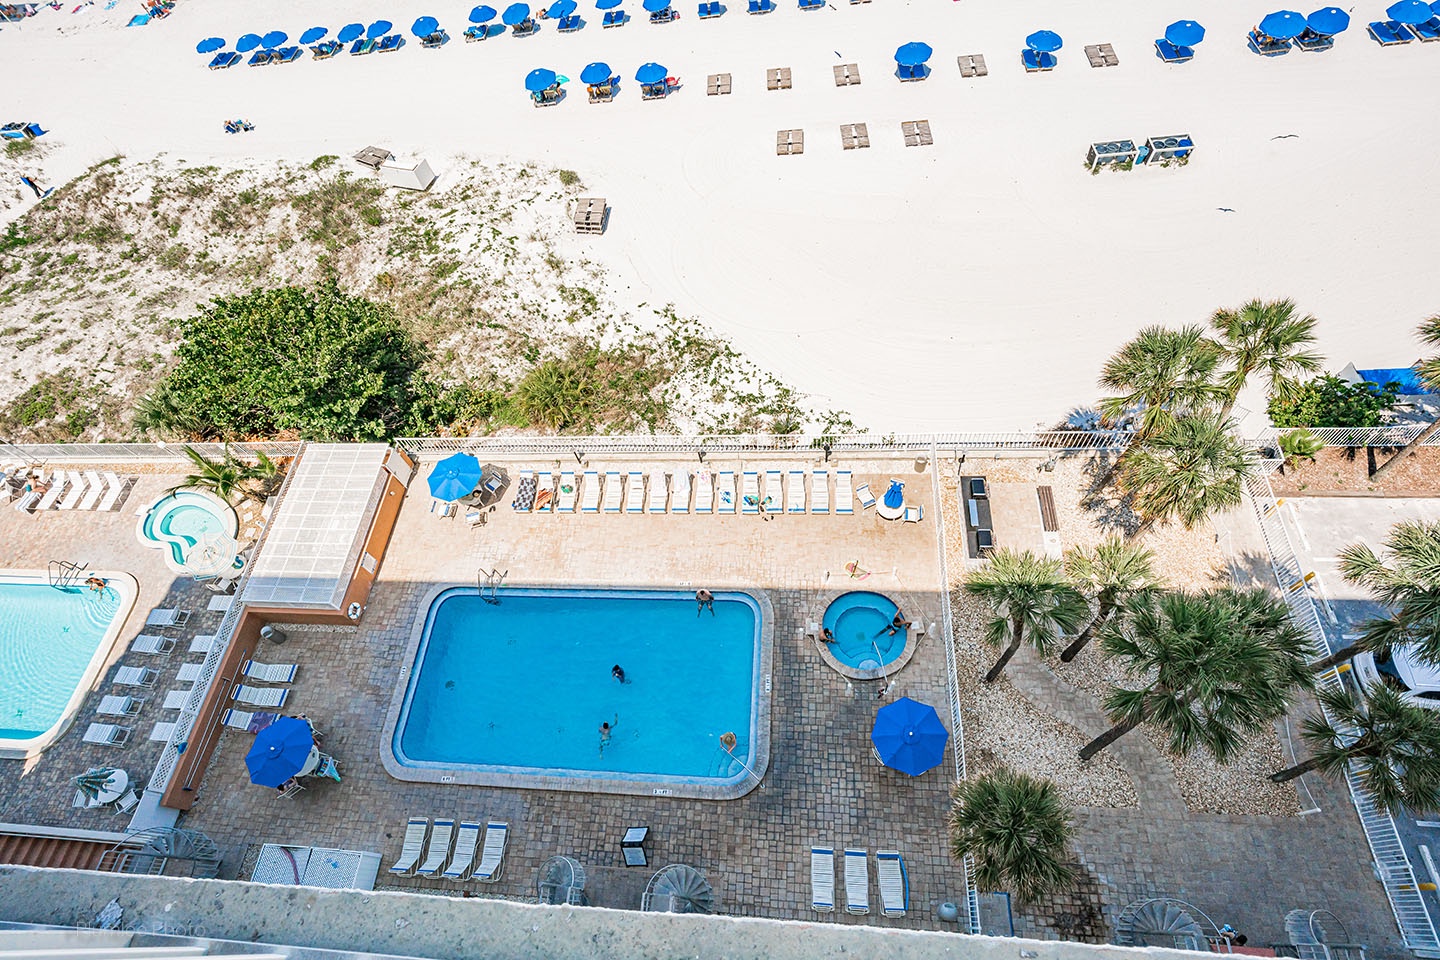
(513, 692)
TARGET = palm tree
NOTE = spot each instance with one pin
(1264, 336)
(1111, 572)
(1409, 584)
(229, 476)
(1395, 746)
(1031, 601)
(1429, 372)
(1192, 468)
(265, 476)
(1212, 668)
(1018, 831)
(1165, 374)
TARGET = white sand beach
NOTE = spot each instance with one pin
(978, 283)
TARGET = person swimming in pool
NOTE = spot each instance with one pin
(826, 635)
(897, 624)
(606, 729)
(96, 584)
(704, 599)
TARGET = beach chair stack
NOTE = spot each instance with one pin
(448, 851)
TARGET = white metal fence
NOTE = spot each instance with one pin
(1393, 436)
(141, 452)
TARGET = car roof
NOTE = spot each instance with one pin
(1417, 674)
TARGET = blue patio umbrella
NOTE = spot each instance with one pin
(1328, 21)
(655, 6)
(535, 81)
(1435, 7)
(1282, 25)
(210, 45)
(313, 35)
(606, 4)
(909, 736)
(280, 752)
(561, 8)
(247, 43)
(1409, 11)
(425, 26)
(1184, 33)
(895, 496)
(1044, 41)
(273, 39)
(650, 73)
(482, 14)
(351, 31)
(913, 53)
(516, 13)
(600, 72)
(457, 475)
(378, 29)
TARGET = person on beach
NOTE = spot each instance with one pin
(33, 186)
(704, 599)
(618, 673)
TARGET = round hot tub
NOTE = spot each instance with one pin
(865, 646)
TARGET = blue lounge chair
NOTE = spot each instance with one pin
(711, 10)
(762, 6)
(615, 18)
(526, 27)
(477, 32)
(363, 46)
(1427, 31)
(1171, 53)
(664, 16)
(326, 50)
(1311, 41)
(259, 58)
(1267, 46)
(435, 41)
(1036, 61)
(223, 60)
(811, 4)
(570, 24)
(1389, 32)
(908, 72)
(391, 43)
(287, 55)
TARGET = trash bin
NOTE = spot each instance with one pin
(272, 634)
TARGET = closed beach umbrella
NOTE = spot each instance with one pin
(247, 43)
(482, 14)
(650, 73)
(280, 752)
(1184, 33)
(895, 496)
(1329, 21)
(913, 53)
(600, 72)
(92, 782)
(210, 45)
(606, 4)
(378, 29)
(909, 736)
(516, 13)
(655, 6)
(1282, 25)
(535, 81)
(1044, 41)
(313, 35)
(457, 475)
(273, 39)
(351, 31)
(561, 8)
(1409, 11)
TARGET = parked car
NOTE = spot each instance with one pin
(1417, 680)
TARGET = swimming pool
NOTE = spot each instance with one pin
(513, 693)
(864, 648)
(53, 642)
(181, 519)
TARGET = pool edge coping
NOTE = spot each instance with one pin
(882, 672)
(729, 790)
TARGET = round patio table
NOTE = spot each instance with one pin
(113, 790)
(889, 513)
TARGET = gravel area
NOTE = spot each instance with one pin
(1345, 471)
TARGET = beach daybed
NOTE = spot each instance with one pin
(1267, 46)
(416, 832)
(1037, 61)
(894, 884)
(635, 492)
(438, 853)
(493, 856)
(822, 879)
(107, 734)
(224, 60)
(467, 841)
(725, 484)
(1387, 33)
(1170, 53)
(857, 882)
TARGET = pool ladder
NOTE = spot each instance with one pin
(63, 573)
(488, 582)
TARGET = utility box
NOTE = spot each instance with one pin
(410, 174)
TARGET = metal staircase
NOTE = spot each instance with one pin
(64, 574)
(1319, 935)
(149, 851)
(1164, 922)
(488, 582)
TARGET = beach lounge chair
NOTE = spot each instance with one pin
(467, 840)
(762, 6)
(725, 485)
(92, 495)
(844, 493)
(1311, 42)
(614, 492)
(189, 672)
(664, 16)
(711, 10)
(1389, 32)
(894, 884)
(107, 734)
(435, 41)
(1428, 31)
(913, 514)
(819, 491)
(145, 643)
(1037, 61)
(795, 492)
(119, 706)
(162, 732)
(391, 43)
(441, 836)
(857, 882)
(774, 497)
(570, 24)
(1266, 46)
(202, 643)
(822, 879)
(704, 492)
(750, 492)
(287, 55)
(363, 46)
(1170, 53)
(680, 492)
(75, 492)
(269, 672)
(326, 50)
(590, 493)
(224, 60)
(659, 492)
(566, 493)
(52, 496)
(259, 696)
(812, 4)
(167, 617)
(175, 699)
(615, 18)
(135, 677)
(417, 831)
(493, 857)
(476, 32)
(635, 492)
(114, 486)
(259, 58)
(866, 498)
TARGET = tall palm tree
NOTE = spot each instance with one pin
(1394, 744)
(1264, 336)
(1211, 668)
(1165, 374)
(1031, 602)
(1111, 572)
(1409, 584)
(1429, 372)
(1018, 831)
(1192, 468)
(224, 478)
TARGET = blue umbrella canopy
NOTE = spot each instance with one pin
(457, 475)
(351, 31)
(1044, 41)
(1435, 8)
(909, 736)
(279, 752)
(650, 73)
(1409, 11)
(1184, 33)
(606, 4)
(1329, 21)
(482, 14)
(535, 81)
(425, 26)
(247, 43)
(600, 72)
(913, 53)
(655, 6)
(561, 8)
(1282, 25)
(895, 496)
(273, 39)
(313, 35)
(210, 45)
(515, 13)
(378, 29)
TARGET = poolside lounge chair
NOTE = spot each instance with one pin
(866, 498)
(269, 672)
(135, 677)
(524, 500)
(56, 491)
(1171, 53)
(416, 833)
(107, 734)
(774, 492)
(819, 491)
(795, 492)
(635, 492)
(857, 882)
(162, 732)
(224, 60)
(680, 492)
(202, 643)
(114, 486)
(565, 495)
(119, 706)
(725, 487)
(894, 884)
(247, 721)
(704, 492)
(467, 840)
(749, 492)
(844, 493)
(441, 837)
(913, 514)
(167, 617)
(259, 696)
(614, 491)
(175, 699)
(145, 643)
(189, 672)
(92, 495)
(822, 879)
(28, 502)
(127, 801)
(590, 493)
(77, 489)
(493, 857)
(1387, 33)
(659, 492)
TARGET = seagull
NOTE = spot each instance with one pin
(1226, 209)
(1286, 136)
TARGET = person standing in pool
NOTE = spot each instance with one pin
(618, 672)
(605, 730)
(704, 599)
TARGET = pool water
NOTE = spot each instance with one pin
(48, 639)
(182, 519)
(523, 685)
(860, 622)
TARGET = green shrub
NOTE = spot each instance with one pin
(1329, 401)
(568, 178)
(1298, 444)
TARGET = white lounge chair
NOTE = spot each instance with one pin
(725, 486)
(680, 492)
(147, 643)
(844, 492)
(822, 879)
(52, 496)
(774, 499)
(114, 486)
(162, 732)
(443, 509)
(524, 479)
(750, 492)
(108, 734)
(167, 617)
(590, 492)
(659, 492)
(416, 832)
(78, 486)
(912, 515)
(866, 498)
(96, 487)
(467, 841)
(614, 490)
(857, 882)
(566, 493)
(894, 884)
(202, 643)
(260, 696)
(269, 672)
(439, 850)
(119, 706)
(635, 492)
(189, 672)
(704, 492)
(176, 699)
(493, 857)
(128, 801)
(237, 719)
(795, 492)
(819, 491)
(135, 677)
(28, 502)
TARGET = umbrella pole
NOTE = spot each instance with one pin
(880, 660)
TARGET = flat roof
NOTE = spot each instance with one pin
(319, 528)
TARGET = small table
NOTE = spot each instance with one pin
(631, 846)
(889, 513)
(113, 790)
